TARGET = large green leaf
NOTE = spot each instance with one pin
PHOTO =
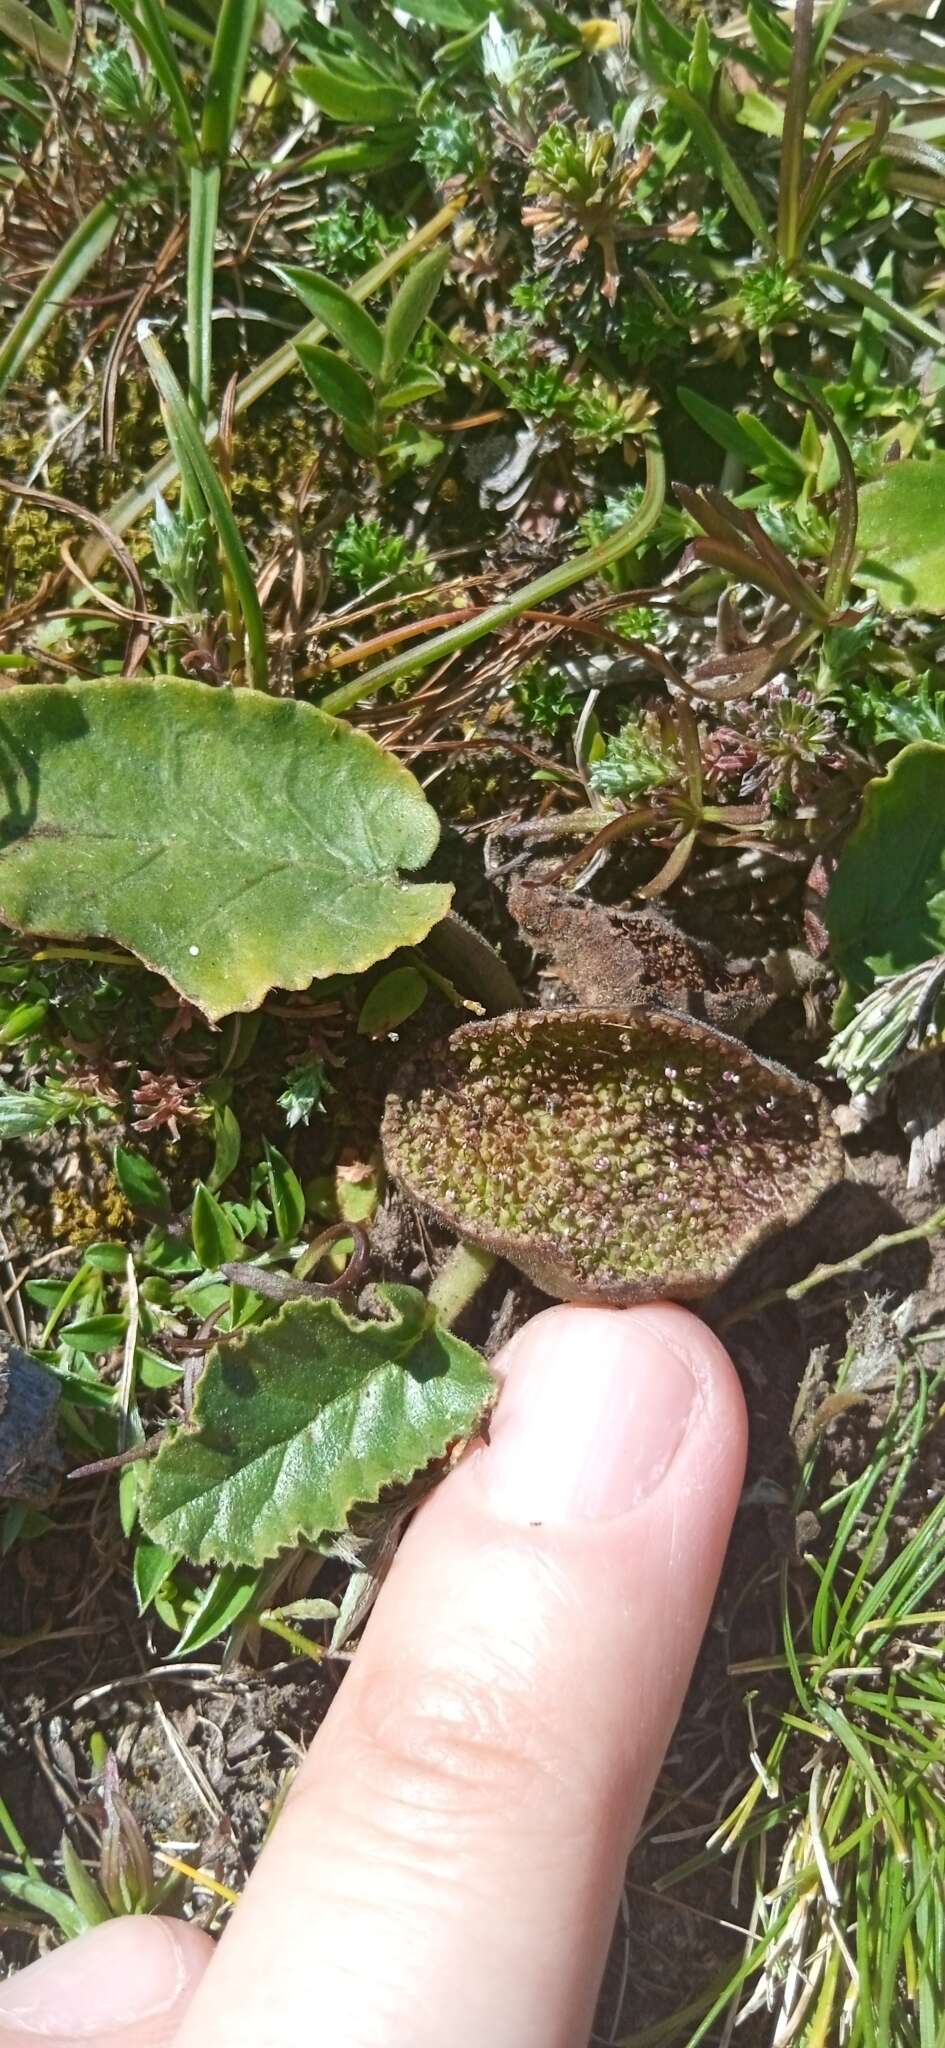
(235, 842)
(300, 1420)
(886, 906)
(901, 536)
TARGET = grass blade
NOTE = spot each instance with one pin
(889, 314)
(201, 478)
(52, 294)
(226, 77)
(201, 246)
(550, 585)
(135, 503)
(30, 33)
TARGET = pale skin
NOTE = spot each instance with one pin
(447, 1869)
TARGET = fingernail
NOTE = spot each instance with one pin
(87, 1988)
(592, 1414)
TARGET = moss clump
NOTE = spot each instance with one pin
(623, 1155)
(77, 1220)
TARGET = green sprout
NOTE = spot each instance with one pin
(306, 1088)
(635, 759)
(452, 144)
(543, 698)
(345, 241)
(365, 553)
(770, 297)
(581, 185)
(181, 542)
(899, 1018)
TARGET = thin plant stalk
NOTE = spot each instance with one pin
(792, 143)
(226, 74)
(205, 181)
(465, 1269)
(576, 570)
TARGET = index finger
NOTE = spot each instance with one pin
(449, 1862)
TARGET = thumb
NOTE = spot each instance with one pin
(128, 1981)
(448, 1866)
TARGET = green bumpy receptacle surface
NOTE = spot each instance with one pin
(619, 1155)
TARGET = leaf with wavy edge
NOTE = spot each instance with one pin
(305, 1417)
(234, 842)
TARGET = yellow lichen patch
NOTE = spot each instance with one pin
(77, 1218)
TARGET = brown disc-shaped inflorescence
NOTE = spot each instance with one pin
(622, 1155)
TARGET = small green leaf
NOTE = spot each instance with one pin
(26, 1112)
(302, 1610)
(340, 386)
(215, 1240)
(231, 840)
(128, 1497)
(771, 36)
(718, 424)
(23, 1019)
(339, 312)
(84, 1889)
(352, 95)
(410, 307)
(154, 1372)
(286, 1195)
(106, 1258)
(392, 1000)
(422, 383)
(373, 154)
(228, 1595)
(299, 1420)
(44, 1898)
(901, 536)
(152, 1565)
(701, 76)
(95, 1333)
(227, 1140)
(886, 906)
(141, 1184)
